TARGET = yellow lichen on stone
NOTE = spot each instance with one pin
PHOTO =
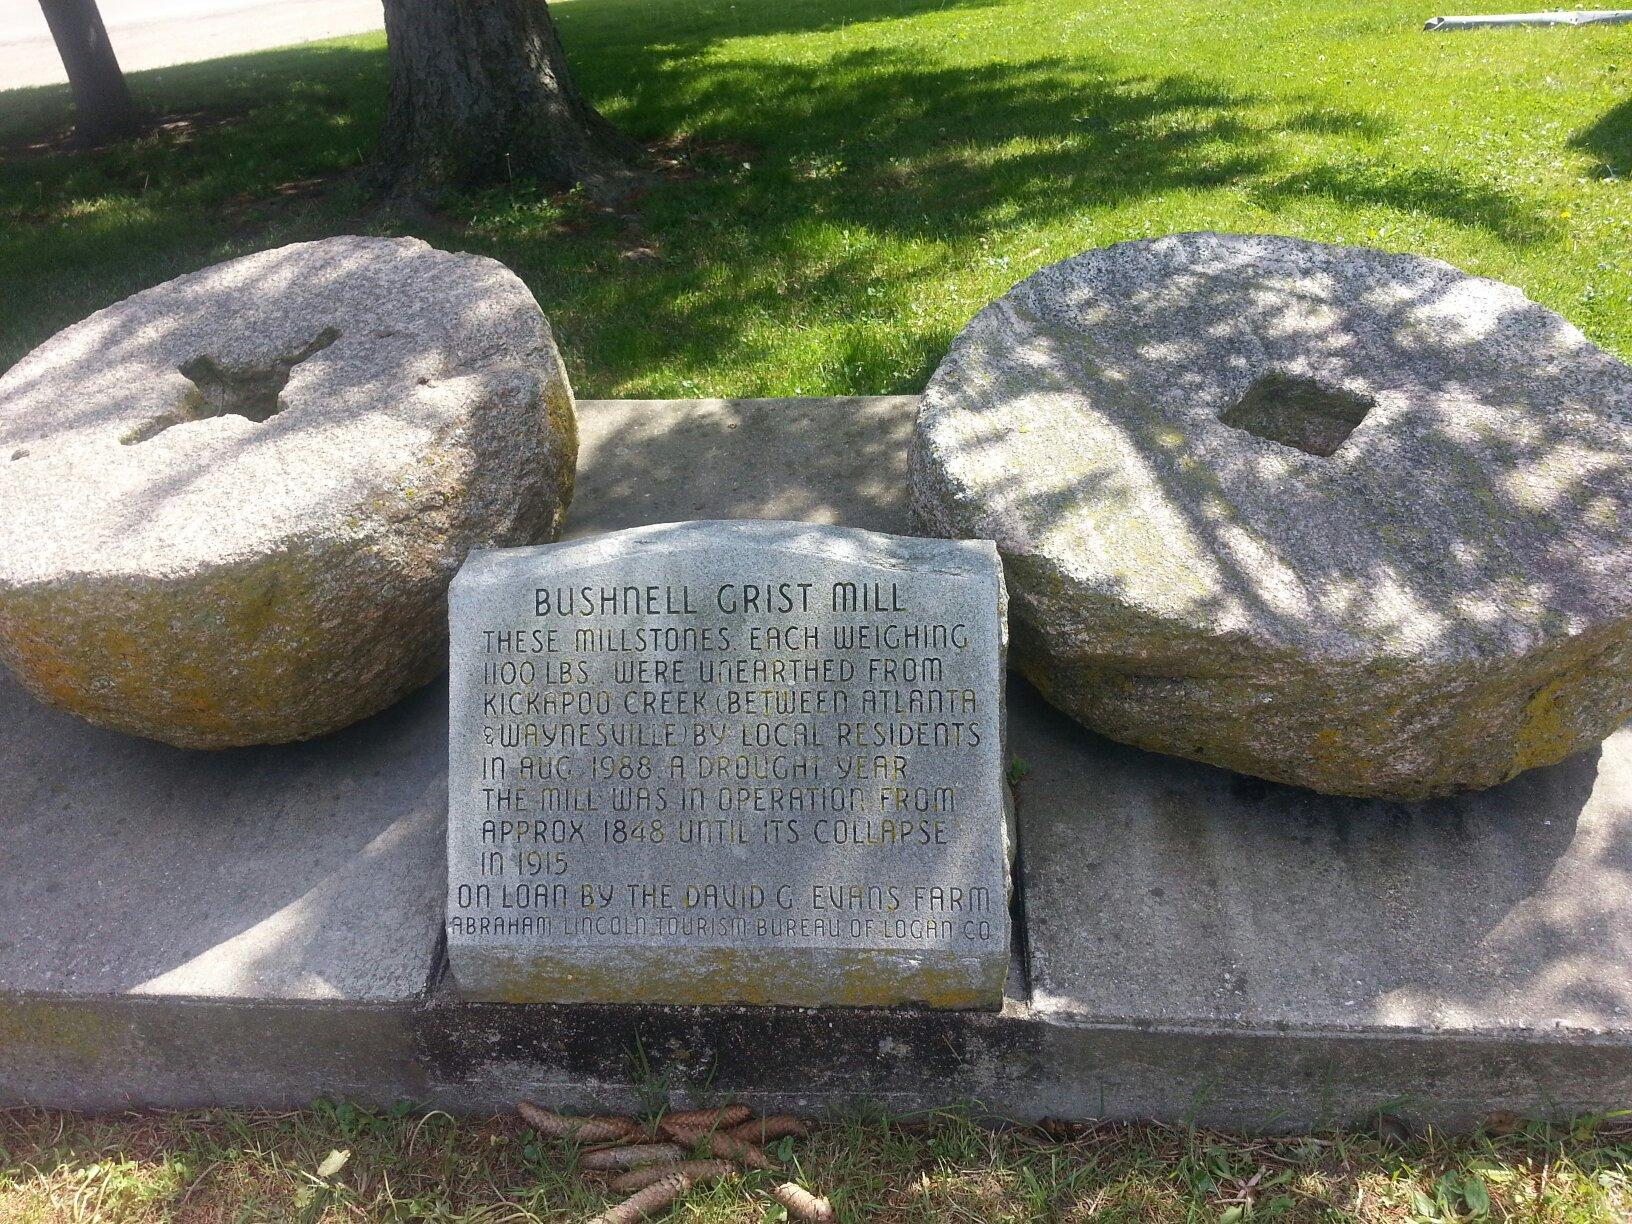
(764, 976)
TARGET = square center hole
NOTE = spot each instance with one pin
(1298, 412)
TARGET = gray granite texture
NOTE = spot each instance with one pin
(230, 505)
(1333, 517)
(729, 761)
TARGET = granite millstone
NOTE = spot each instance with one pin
(1339, 518)
(729, 762)
(231, 505)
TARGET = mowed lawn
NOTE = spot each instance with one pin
(852, 179)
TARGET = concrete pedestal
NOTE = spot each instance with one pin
(263, 926)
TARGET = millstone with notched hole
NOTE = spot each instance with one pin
(231, 505)
(1330, 516)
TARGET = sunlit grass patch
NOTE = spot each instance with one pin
(848, 181)
(339, 1162)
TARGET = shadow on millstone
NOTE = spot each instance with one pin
(248, 488)
(1432, 598)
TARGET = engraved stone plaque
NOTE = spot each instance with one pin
(729, 762)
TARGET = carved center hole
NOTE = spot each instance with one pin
(1298, 412)
(250, 391)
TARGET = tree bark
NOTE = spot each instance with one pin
(101, 97)
(481, 94)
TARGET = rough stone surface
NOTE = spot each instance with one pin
(1334, 517)
(726, 761)
(230, 506)
(1221, 950)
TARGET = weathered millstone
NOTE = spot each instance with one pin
(1326, 515)
(231, 505)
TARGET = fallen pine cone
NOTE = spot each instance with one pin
(699, 1171)
(1064, 1129)
(629, 1157)
(585, 1130)
(765, 1130)
(647, 1202)
(723, 1117)
(1501, 1122)
(635, 1134)
(802, 1204)
(718, 1143)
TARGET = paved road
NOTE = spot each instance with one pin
(153, 33)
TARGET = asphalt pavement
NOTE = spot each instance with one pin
(155, 33)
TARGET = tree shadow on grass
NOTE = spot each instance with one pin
(235, 166)
(1609, 140)
(871, 172)
(1413, 189)
(883, 148)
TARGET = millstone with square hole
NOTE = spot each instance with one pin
(1335, 517)
(231, 505)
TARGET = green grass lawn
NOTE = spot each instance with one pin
(859, 176)
(244, 1167)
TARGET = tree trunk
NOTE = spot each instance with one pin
(481, 94)
(101, 97)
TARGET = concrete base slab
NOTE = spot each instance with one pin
(262, 926)
(1165, 891)
(1019, 1064)
(306, 872)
